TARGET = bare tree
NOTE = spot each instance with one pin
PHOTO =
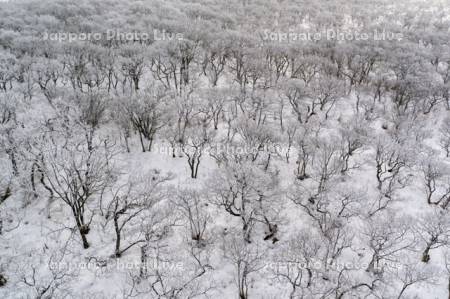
(49, 276)
(216, 101)
(9, 126)
(47, 287)
(193, 207)
(258, 141)
(387, 239)
(89, 112)
(445, 136)
(433, 229)
(352, 136)
(7, 72)
(146, 111)
(298, 264)
(183, 108)
(412, 274)
(291, 136)
(182, 274)
(247, 260)
(436, 181)
(123, 122)
(347, 285)
(302, 104)
(47, 72)
(137, 197)
(305, 150)
(247, 192)
(327, 90)
(214, 60)
(197, 136)
(391, 160)
(447, 267)
(132, 60)
(326, 161)
(76, 172)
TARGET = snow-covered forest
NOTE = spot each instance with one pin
(225, 149)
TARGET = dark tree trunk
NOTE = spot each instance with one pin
(116, 227)
(32, 179)
(2, 280)
(426, 254)
(449, 287)
(83, 229)
(142, 142)
(12, 157)
(84, 239)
